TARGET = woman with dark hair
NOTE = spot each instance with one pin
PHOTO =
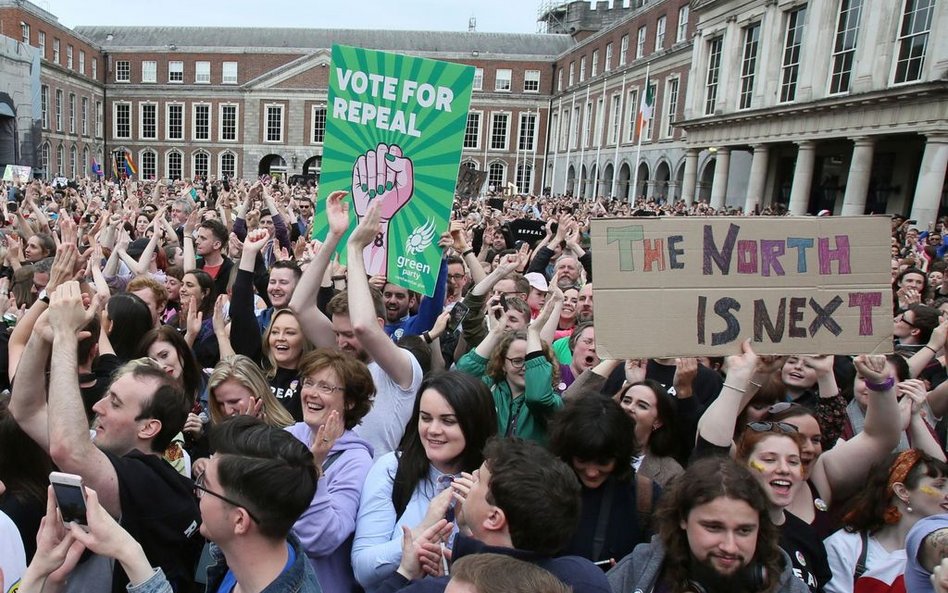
(198, 295)
(128, 318)
(39, 246)
(595, 437)
(772, 451)
(451, 421)
(174, 275)
(336, 394)
(655, 413)
(904, 488)
(165, 346)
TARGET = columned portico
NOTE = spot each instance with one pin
(719, 185)
(857, 183)
(802, 177)
(758, 177)
(690, 180)
(931, 180)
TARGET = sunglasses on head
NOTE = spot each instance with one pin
(784, 427)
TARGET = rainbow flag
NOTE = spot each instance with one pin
(130, 168)
(96, 168)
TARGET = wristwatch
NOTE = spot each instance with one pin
(43, 296)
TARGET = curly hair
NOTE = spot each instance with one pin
(354, 375)
(704, 481)
(498, 357)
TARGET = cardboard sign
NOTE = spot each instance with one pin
(17, 173)
(698, 286)
(394, 133)
(470, 182)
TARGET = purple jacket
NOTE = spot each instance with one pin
(326, 528)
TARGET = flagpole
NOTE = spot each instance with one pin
(618, 127)
(638, 149)
(602, 121)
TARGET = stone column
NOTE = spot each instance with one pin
(690, 181)
(802, 177)
(931, 179)
(719, 185)
(857, 184)
(650, 190)
(758, 178)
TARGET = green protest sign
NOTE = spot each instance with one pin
(394, 131)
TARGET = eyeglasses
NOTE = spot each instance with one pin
(455, 276)
(784, 427)
(516, 363)
(322, 387)
(902, 318)
(200, 491)
(779, 407)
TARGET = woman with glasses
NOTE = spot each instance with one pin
(772, 452)
(901, 490)
(411, 488)
(336, 393)
(518, 367)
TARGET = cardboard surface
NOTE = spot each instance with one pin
(698, 286)
(394, 130)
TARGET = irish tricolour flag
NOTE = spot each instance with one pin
(647, 107)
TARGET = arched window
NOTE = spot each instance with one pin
(201, 164)
(44, 159)
(73, 160)
(228, 165)
(148, 164)
(174, 164)
(524, 178)
(496, 175)
(86, 164)
(60, 160)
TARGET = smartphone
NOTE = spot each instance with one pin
(503, 301)
(458, 313)
(70, 497)
(911, 222)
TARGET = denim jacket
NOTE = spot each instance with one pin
(299, 578)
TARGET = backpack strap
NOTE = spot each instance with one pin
(861, 563)
(330, 460)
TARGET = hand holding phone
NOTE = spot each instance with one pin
(458, 313)
(70, 497)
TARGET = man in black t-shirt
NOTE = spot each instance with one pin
(140, 413)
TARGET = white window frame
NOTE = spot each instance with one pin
(712, 80)
(632, 115)
(123, 67)
(661, 26)
(480, 126)
(900, 39)
(56, 49)
(502, 75)
(99, 113)
(587, 125)
(266, 122)
(84, 125)
(615, 119)
(531, 76)
(624, 50)
(559, 80)
(672, 97)
(220, 163)
(572, 74)
(640, 42)
(750, 61)
(607, 65)
(58, 110)
(837, 58)
(149, 71)
(95, 68)
(175, 70)
(582, 69)
(115, 120)
(82, 61)
(194, 121)
(220, 119)
(683, 15)
(524, 116)
(792, 51)
(44, 105)
(41, 43)
(168, 154)
(69, 54)
(490, 139)
(202, 77)
(312, 122)
(478, 79)
(595, 64)
(143, 173)
(229, 77)
(141, 120)
(168, 107)
(194, 168)
(72, 113)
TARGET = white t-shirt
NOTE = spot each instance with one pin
(843, 550)
(384, 425)
(12, 554)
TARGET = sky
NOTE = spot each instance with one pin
(493, 16)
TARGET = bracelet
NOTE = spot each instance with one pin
(880, 387)
(930, 348)
(737, 389)
(427, 337)
(757, 385)
(466, 253)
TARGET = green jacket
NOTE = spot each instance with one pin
(526, 416)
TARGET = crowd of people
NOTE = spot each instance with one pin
(249, 411)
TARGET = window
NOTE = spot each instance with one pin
(274, 123)
(72, 113)
(202, 121)
(671, 107)
(44, 158)
(660, 33)
(633, 105)
(98, 119)
(597, 128)
(574, 129)
(148, 164)
(148, 118)
(175, 71)
(122, 71)
(524, 178)
(202, 73)
(175, 121)
(595, 64)
(228, 166)
(650, 122)
(714, 72)
(59, 111)
(60, 160)
(69, 57)
(587, 122)
(25, 32)
(149, 71)
(85, 116)
(173, 164)
(95, 68)
(319, 123)
(85, 158)
(844, 47)
(564, 129)
(472, 131)
(640, 44)
(502, 79)
(123, 120)
(913, 39)
(496, 174)
(498, 131)
(624, 50)
(200, 164)
(531, 81)
(229, 73)
(41, 42)
(582, 69)
(228, 122)
(608, 65)
(559, 80)
(478, 79)
(682, 24)
(73, 161)
(56, 54)
(44, 105)
(554, 129)
(528, 132)
(749, 64)
(790, 70)
(82, 61)
(615, 116)
(572, 73)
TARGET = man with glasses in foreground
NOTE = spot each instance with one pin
(913, 327)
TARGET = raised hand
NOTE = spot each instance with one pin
(384, 175)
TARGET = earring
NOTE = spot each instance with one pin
(908, 509)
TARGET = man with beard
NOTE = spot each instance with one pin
(584, 308)
(714, 536)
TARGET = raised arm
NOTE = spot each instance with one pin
(190, 260)
(717, 423)
(367, 326)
